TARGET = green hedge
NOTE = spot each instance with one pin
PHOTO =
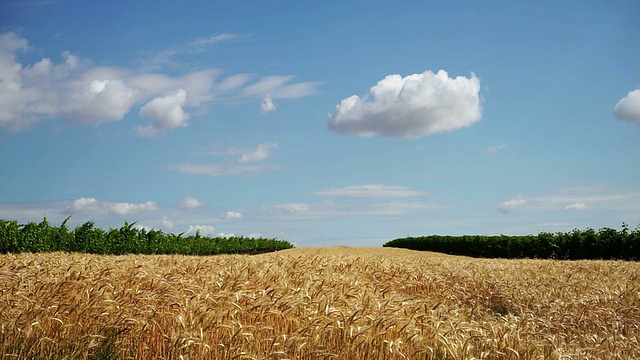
(606, 243)
(86, 238)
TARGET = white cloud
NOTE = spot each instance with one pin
(233, 215)
(205, 230)
(125, 208)
(83, 205)
(70, 60)
(166, 112)
(410, 107)
(223, 235)
(370, 191)
(575, 206)
(628, 108)
(261, 152)
(79, 92)
(72, 90)
(254, 236)
(511, 205)
(267, 105)
(91, 205)
(10, 43)
(24, 90)
(100, 100)
(190, 203)
(41, 68)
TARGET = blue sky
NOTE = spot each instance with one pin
(324, 123)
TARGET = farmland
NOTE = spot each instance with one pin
(340, 303)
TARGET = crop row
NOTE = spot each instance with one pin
(606, 243)
(86, 238)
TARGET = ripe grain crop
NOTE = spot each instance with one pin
(334, 303)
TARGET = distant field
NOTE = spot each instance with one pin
(342, 303)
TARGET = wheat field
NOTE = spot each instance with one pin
(329, 303)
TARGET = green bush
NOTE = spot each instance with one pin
(606, 243)
(86, 238)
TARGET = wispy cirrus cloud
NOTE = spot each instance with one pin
(166, 56)
(370, 191)
(494, 148)
(220, 169)
(198, 43)
(261, 152)
(280, 87)
(246, 163)
(357, 201)
(339, 210)
(574, 199)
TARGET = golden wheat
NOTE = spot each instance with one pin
(316, 304)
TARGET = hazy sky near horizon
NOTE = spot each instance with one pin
(321, 123)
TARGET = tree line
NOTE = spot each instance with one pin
(606, 243)
(128, 239)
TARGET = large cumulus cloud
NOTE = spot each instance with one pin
(410, 107)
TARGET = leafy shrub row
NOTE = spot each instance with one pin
(42, 237)
(606, 243)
